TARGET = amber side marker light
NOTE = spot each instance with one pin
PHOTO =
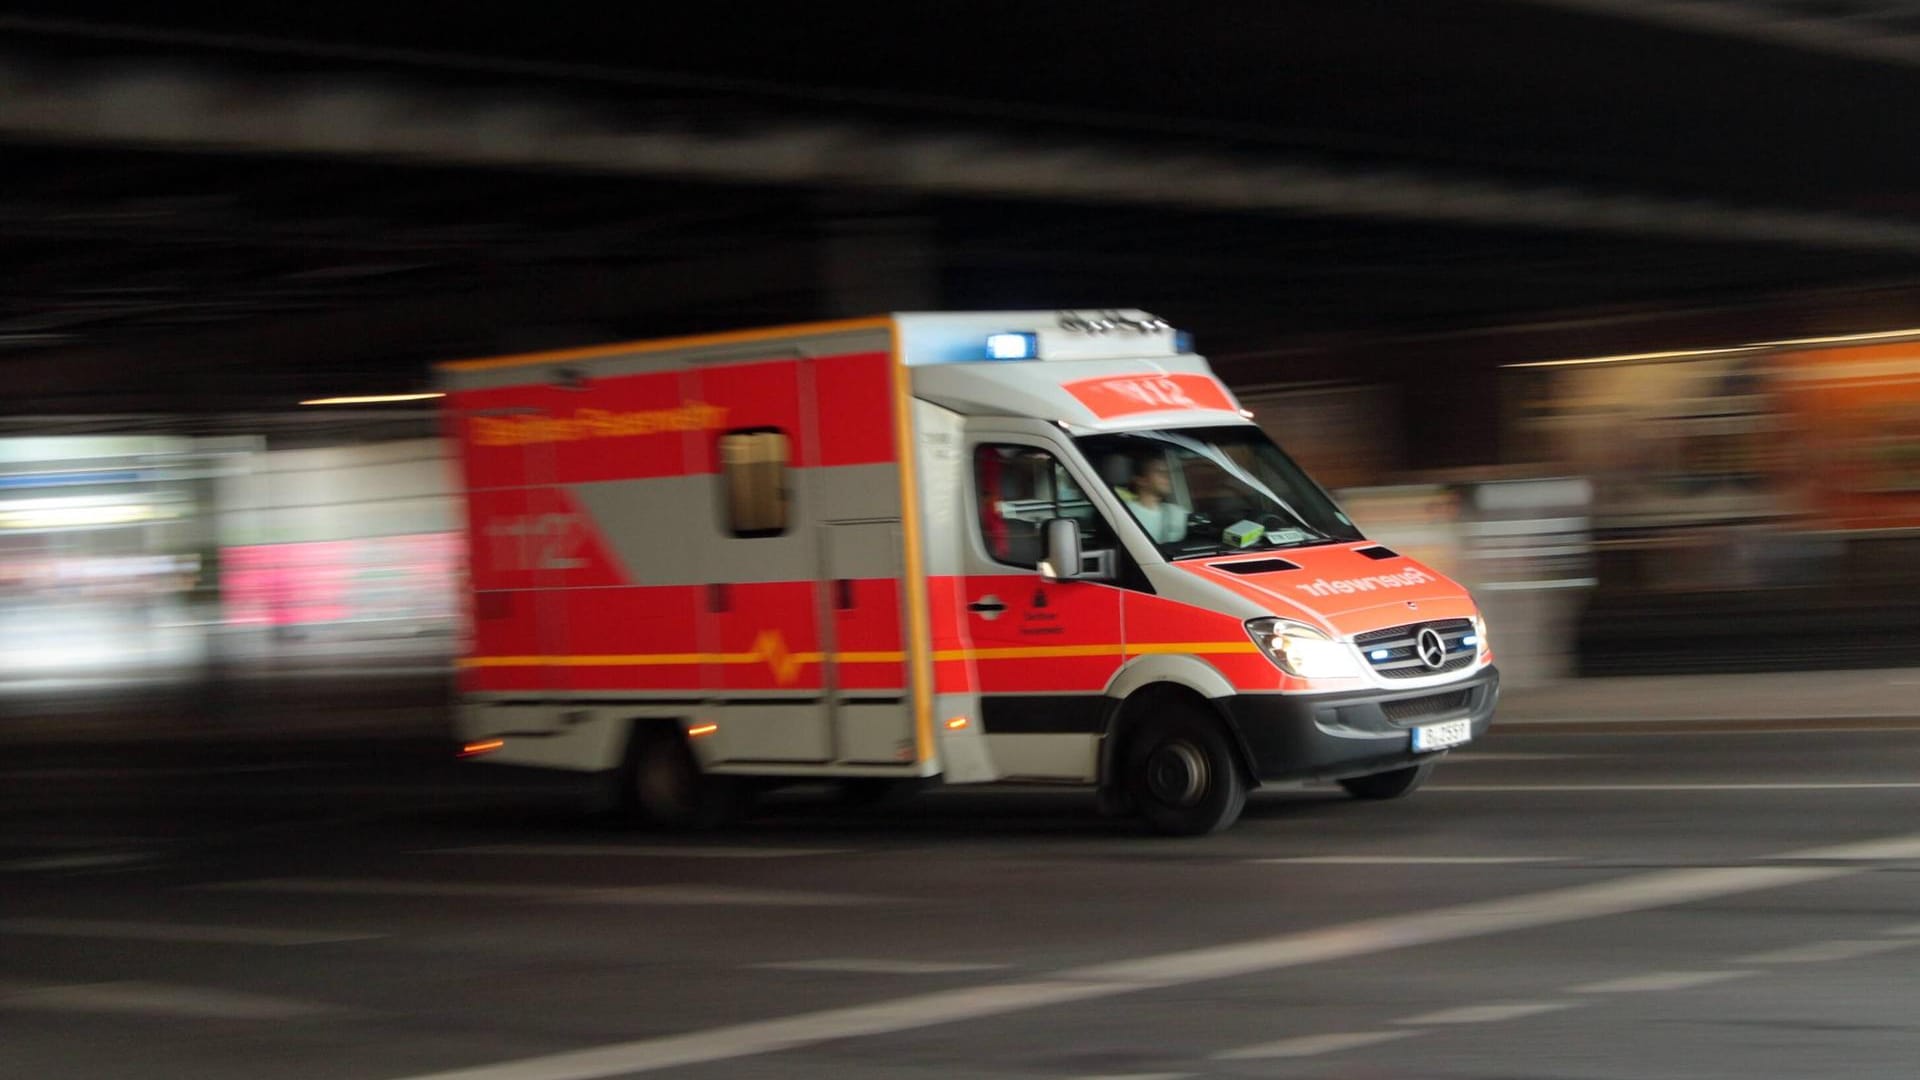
(372, 399)
(487, 746)
(958, 723)
(699, 730)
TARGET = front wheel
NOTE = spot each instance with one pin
(1183, 775)
(1388, 785)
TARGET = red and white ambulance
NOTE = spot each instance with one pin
(1005, 546)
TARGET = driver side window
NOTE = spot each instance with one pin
(1017, 490)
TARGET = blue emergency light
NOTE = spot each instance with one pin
(1379, 654)
(1013, 346)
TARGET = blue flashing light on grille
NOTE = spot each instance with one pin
(1470, 639)
(1182, 341)
(1379, 654)
(1013, 346)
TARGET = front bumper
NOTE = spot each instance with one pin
(1329, 736)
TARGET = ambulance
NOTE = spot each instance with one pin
(881, 554)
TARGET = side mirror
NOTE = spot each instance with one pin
(1066, 562)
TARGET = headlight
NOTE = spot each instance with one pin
(1479, 642)
(1301, 650)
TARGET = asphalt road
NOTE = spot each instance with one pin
(1553, 906)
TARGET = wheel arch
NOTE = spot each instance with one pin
(1151, 682)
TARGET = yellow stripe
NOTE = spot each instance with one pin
(1029, 652)
(919, 635)
(1192, 648)
(1050, 652)
(635, 660)
(696, 341)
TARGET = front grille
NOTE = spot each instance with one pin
(1419, 708)
(1393, 654)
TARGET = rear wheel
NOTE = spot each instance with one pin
(1182, 774)
(1388, 785)
(665, 785)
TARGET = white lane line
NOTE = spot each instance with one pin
(1137, 1076)
(1367, 937)
(1659, 981)
(1487, 1014)
(1538, 788)
(154, 931)
(77, 862)
(1895, 847)
(637, 896)
(878, 966)
(637, 851)
(1413, 860)
(717, 896)
(156, 999)
(1313, 1045)
(1458, 757)
(1826, 951)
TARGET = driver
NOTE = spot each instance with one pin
(1148, 498)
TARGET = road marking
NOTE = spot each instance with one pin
(1138, 1076)
(1458, 757)
(640, 895)
(637, 851)
(77, 862)
(151, 931)
(1893, 848)
(1639, 892)
(1900, 785)
(1313, 1045)
(1825, 951)
(878, 967)
(1413, 860)
(156, 999)
(1659, 981)
(1487, 1014)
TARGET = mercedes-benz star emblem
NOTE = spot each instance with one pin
(1432, 650)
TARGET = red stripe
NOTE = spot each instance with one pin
(852, 425)
(856, 409)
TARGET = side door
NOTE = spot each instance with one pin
(1044, 652)
(864, 630)
(761, 560)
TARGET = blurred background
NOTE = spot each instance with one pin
(1609, 309)
(1600, 306)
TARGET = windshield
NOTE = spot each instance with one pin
(1209, 491)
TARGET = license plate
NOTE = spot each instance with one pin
(1440, 736)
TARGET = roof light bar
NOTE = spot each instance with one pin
(1012, 346)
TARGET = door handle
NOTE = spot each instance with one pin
(987, 605)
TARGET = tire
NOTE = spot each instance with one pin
(664, 786)
(1397, 784)
(1182, 773)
